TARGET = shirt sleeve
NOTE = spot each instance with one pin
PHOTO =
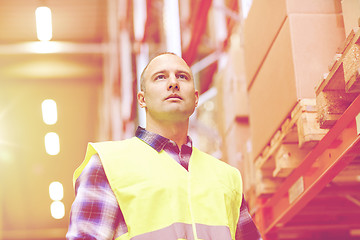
(95, 213)
(246, 228)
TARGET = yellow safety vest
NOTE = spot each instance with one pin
(161, 200)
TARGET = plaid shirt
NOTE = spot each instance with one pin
(95, 213)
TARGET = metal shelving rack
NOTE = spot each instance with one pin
(331, 155)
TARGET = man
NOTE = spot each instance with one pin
(157, 185)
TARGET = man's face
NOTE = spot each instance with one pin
(169, 92)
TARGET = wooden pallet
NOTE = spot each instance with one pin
(344, 69)
(266, 185)
(341, 85)
(294, 130)
(298, 134)
(287, 158)
(331, 105)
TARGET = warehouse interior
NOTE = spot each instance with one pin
(278, 82)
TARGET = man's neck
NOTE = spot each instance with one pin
(176, 132)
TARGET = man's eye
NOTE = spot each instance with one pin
(183, 76)
(159, 77)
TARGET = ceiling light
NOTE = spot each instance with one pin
(56, 191)
(44, 47)
(57, 209)
(171, 22)
(52, 143)
(49, 111)
(43, 23)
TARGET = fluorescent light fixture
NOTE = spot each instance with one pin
(52, 47)
(56, 191)
(49, 111)
(220, 21)
(245, 6)
(139, 18)
(52, 143)
(44, 47)
(43, 23)
(171, 21)
(57, 209)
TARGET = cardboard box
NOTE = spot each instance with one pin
(264, 22)
(351, 14)
(233, 140)
(232, 96)
(299, 56)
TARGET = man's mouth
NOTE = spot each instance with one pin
(173, 96)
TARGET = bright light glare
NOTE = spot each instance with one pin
(56, 191)
(43, 23)
(139, 18)
(171, 21)
(44, 47)
(57, 209)
(49, 111)
(52, 143)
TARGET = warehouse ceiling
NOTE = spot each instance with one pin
(76, 21)
(81, 24)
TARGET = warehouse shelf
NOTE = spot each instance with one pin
(338, 148)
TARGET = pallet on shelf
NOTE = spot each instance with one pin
(338, 89)
(288, 157)
(309, 131)
(289, 131)
(331, 105)
(343, 73)
(265, 185)
(336, 154)
(298, 134)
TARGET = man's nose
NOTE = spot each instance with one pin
(173, 83)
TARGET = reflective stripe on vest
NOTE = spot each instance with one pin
(161, 200)
(184, 231)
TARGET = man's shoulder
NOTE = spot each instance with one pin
(106, 146)
(113, 143)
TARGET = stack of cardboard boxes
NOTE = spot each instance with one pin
(275, 60)
(288, 47)
(351, 14)
(266, 98)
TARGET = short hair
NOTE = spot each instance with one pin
(142, 80)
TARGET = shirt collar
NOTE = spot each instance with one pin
(156, 141)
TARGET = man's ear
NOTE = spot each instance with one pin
(196, 97)
(141, 99)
